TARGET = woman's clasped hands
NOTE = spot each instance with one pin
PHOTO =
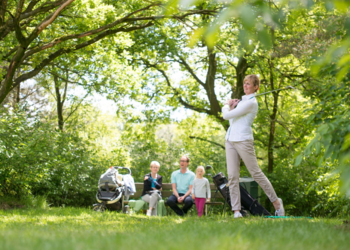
(232, 103)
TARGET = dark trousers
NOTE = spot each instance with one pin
(172, 201)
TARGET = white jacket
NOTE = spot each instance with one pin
(241, 119)
(129, 183)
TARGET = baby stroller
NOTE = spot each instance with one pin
(111, 190)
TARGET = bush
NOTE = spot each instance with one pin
(308, 191)
(36, 159)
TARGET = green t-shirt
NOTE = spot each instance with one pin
(182, 181)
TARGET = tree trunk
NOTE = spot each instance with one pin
(18, 92)
(272, 133)
(16, 95)
(59, 104)
(7, 83)
(241, 69)
(272, 123)
(274, 109)
(210, 83)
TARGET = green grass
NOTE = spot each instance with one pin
(77, 228)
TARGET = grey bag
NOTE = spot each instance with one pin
(109, 177)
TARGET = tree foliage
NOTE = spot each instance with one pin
(157, 59)
(36, 159)
(34, 33)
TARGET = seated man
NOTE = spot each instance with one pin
(182, 182)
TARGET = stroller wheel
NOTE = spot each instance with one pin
(99, 208)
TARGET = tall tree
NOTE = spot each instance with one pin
(59, 81)
(204, 75)
(33, 33)
(204, 71)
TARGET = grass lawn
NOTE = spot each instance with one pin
(78, 228)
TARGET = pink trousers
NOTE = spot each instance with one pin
(200, 202)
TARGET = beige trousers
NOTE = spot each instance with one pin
(152, 200)
(235, 151)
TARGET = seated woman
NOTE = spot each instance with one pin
(152, 185)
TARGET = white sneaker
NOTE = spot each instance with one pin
(237, 215)
(149, 212)
(280, 212)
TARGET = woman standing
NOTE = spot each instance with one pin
(239, 144)
(152, 185)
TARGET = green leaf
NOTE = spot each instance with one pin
(265, 38)
(323, 129)
(171, 7)
(298, 160)
(341, 5)
(186, 3)
(318, 147)
(195, 37)
(344, 60)
(211, 37)
(347, 26)
(329, 152)
(342, 73)
(346, 143)
(243, 37)
(247, 17)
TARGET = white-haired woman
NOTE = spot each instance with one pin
(152, 186)
(240, 145)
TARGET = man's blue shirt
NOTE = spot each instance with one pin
(182, 181)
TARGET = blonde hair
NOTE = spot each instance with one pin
(253, 79)
(155, 163)
(201, 168)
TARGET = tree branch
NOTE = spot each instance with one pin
(44, 8)
(19, 8)
(76, 107)
(190, 70)
(125, 19)
(19, 35)
(63, 78)
(28, 13)
(48, 20)
(22, 53)
(3, 7)
(65, 90)
(62, 51)
(31, 5)
(176, 92)
(227, 60)
(212, 142)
